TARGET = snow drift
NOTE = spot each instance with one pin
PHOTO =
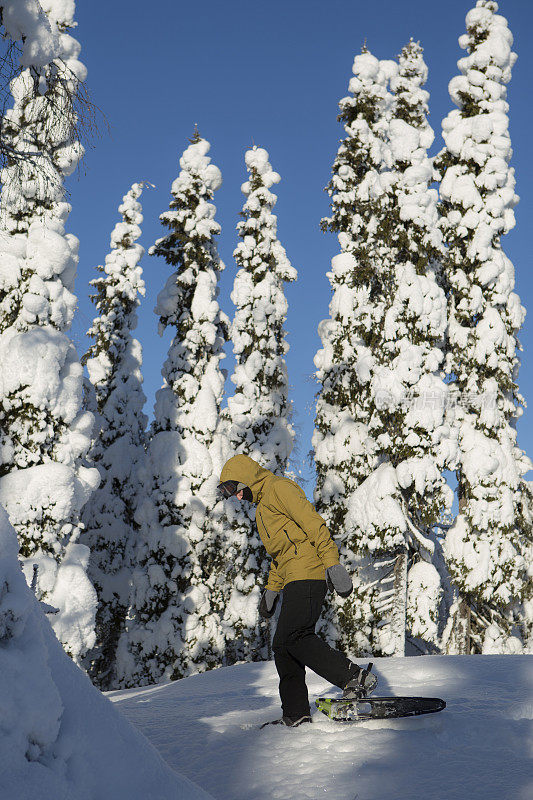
(59, 737)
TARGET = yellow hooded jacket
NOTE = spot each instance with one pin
(293, 533)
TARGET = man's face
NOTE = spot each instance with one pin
(239, 494)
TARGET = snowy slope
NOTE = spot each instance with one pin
(60, 739)
(479, 748)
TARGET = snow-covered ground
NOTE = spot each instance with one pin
(60, 739)
(479, 748)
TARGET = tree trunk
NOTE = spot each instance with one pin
(399, 607)
(459, 641)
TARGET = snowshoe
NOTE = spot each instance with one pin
(355, 710)
(288, 722)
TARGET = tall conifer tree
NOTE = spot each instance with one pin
(381, 413)
(410, 424)
(346, 452)
(114, 364)
(485, 545)
(259, 412)
(44, 432)
(174, 621)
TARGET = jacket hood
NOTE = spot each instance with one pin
(244, 469)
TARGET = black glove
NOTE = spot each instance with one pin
(339, 580)
(267, 606)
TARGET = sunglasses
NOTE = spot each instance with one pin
(228, 488)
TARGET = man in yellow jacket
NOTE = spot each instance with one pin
(305, 561)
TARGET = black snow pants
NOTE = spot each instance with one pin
(296, 646)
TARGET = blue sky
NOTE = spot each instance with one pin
(269, 74)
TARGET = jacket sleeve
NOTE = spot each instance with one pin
(274, 583)
(293, 502)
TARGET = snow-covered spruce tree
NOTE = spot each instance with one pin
(386, 411)
(173, 626)
(409, 425)
(483, 548)
(114, 363)
(345, 451)
(44, 432)
(258, 414)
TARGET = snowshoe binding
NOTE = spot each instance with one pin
(361, 684)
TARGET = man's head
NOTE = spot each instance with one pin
(241, 472)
